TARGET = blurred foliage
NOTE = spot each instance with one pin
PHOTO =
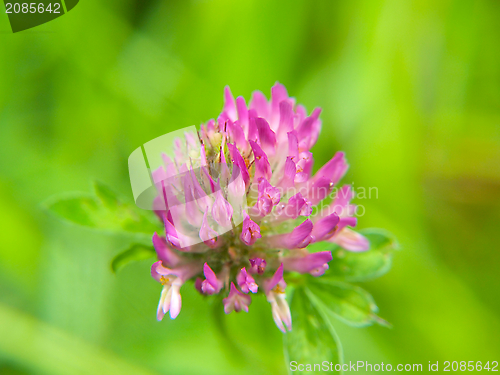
(410, 90)
(104, 211)
(367, 265)
(313, 338)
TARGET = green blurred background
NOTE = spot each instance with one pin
(409, 89)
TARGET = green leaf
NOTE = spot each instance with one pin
(312, 339)
(380, 238)
(77, 209)
(133, 254)
(351, 304)
(108, 197)
(104, 211)
(366, 265)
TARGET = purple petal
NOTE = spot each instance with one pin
(307, 263)
(211, 284)
(276, 279)
(170, 167)
(159, 206)
(201, 197)
(211, 125)
(278, 94)
(289, 172)
(240, 162)
(250, 231)
(207, 179)
(300, 113)
(164, 253)
(182, 272)
(198, 283)
(319, 190)
(304, 133)
(267, 138)
(236, 189)
(207, 234)
(246, 282)
(258, 265)
(267, 198)
(242, 113)
(296, 205)
(266, 189)
(159, 175)
(253, 132)
(304, 165)
(262, 166)
(259, 104)
(308, 130)
(325, 227)
(210, 275)
(351, 240)
(286, 118)
(203, 155)
(238, 136)
(347, 221)
(293, 146)
(193, 214)
(334, 170)
(300, 237)
(157, 271)
(175, 238)
(236, 301)
(306, 209)
(262, 207)
(222, 210)
(229, 106)
(171, 234)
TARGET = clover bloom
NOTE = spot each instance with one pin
(240, 206)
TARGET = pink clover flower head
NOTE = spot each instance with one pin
(241, 205)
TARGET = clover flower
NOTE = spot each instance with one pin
(240, 206)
